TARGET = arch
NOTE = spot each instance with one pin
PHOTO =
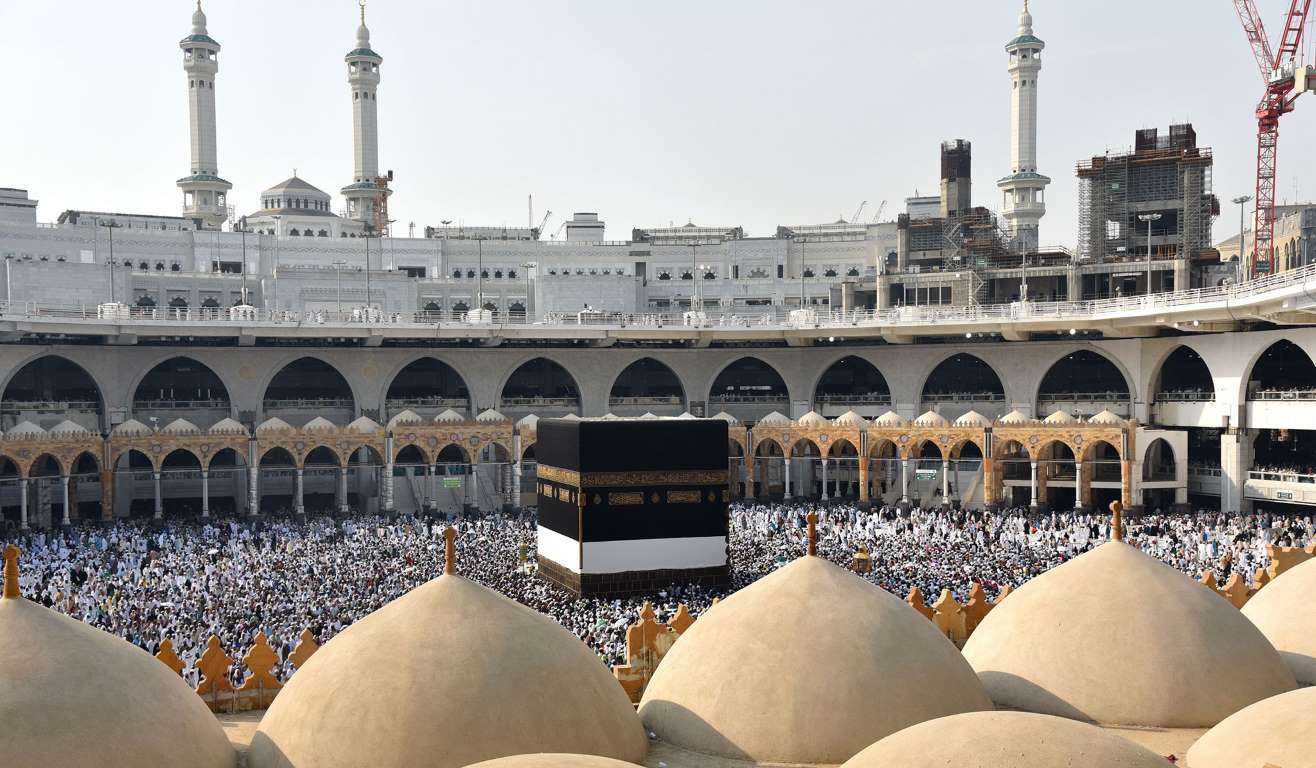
(528, 453)
(1282, 371)
(427, 383)
(842, 448)
(1159, 462)
(878, 448)
(749, 380)
(1105, 458)
(926, 450)
(452, 454)
(85, 464)
(276, 457)
(54, 379)
(309, 381)
(410, 455)
(1082, 376)
(226, 458)
(180, 382)
(46, 465)
(180, 459)
(540, 383)
(322, 456)
(800, 449)
(962, 377)
(849, 382)
(647, 384)
(1183, 376)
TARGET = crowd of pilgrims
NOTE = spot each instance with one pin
(233, 578)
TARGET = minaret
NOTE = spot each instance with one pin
(363, 75)
(204, 192)
(1024, 189)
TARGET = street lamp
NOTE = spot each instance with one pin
(338, 268)
(527, 266)
(242, 223)
(1149, 218)
(369, 228)
(111, 226)
(1241, 202)
(802, 245)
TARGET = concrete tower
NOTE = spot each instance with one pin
(1024, 189)
(363, 75)
(204, 192)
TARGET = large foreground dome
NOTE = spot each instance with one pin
(1279, 731)
(72, 695)
(807, 665)
(1285, 612)
(1004, 740)
(1118, 637)
(450, 674)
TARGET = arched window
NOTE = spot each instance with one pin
(295, 233)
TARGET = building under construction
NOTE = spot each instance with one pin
(1165, 183)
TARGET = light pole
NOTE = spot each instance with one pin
(1150, 218)
(479, 277)
(1241, 202)
(802, 244)
(529, 265)
(242, 223)
(111, 226)
(338, 268)
(369, 228)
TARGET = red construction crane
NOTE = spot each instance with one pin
(1284, 83)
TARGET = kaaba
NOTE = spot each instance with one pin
(629, 506)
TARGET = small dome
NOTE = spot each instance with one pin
(1278, 731)
(553, 761)
(227, 426)
(405, 417)
(110, 702)
(447, 675)
(686, 416)
(27, 428)
(1016, 417)
(1105, 417)
(273, 424)
(1119, 638)
(973, 419)
(570, 417)
(528, 423)
(126, 428)
(891, 419)
(850, 419)
(1059, 417)
(180, 427)
(859, 665)
(728, 418)
(774, 418)
(1282, 610)
(812, 419)
(609, 417)
(449, 416)
(490, 416)
(319, 424)
(931, 419)
(364, 425)
(67, 427)
(649, 416)
(1004, 740)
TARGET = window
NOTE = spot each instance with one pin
(511, 274)
(852, 272)
(829, 273)
(808, 273)
(664, 275)
(295, 233)
(470, 274)
(323, 233)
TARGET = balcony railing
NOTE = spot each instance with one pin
(963, 397)
(868, 399)
(179, 405)
(309, 402)
(1280, 476)
(1083, 397)
(1186, 396)
(1283, 394)
(540, 402)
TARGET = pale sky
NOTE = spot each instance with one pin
(724, 112)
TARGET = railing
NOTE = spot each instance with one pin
(48, 406)
(777, 316)
(1197, 396)
(1083, 397)
(870, 399)
(1283, 394)
(401, 403)
(1200, 471)
(737, 398)
(1280, 476)
(654, 400)
(178, 405)
(310, 402)
(963, 397)
(540, 402)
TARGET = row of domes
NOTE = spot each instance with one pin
(810, 664)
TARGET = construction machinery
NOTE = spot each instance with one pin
(381, 221)
(1285, 77)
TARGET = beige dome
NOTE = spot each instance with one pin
(1016, 416)
(1105, 417)
(931, 419)
(1284, 613)
(807, 665)
(1278, 731)
(1059, 417)
(891, 419)
(812, 419)
(447, 675)
(850, 419)
(1119, 638)
(973, 419)
(553, 761)
(71, 694)
(1005, 740)
(774, 418)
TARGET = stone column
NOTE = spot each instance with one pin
(1032, 486)
(107, 494)
(1235, 462)
(253, 490)
(159, 500)
(341, 495)
(904, 479)
(863, 478)
(1081, 486)
(824, 477)
(298, 502)
(1126, 483)
(749, 477)
(205, 493)
(786, 477)
(428, 499)
(516, 469)
(64, 483)
(945, 482)
(988, 481)
(22, 502)
(386, 484)
(1041, 481)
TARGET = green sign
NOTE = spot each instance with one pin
(452, 482)
(925, 474)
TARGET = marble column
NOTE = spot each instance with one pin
(205, 493)
(159, 500)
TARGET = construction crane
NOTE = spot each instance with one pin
(878, 216)
(858, 212)
(381, 220)
(537, 231)
(1285, 77)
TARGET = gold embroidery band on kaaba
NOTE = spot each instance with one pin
(684, 497)
(631, 479)
(625, 499)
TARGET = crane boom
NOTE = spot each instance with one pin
(1290, 40)
(1256, 37)
(858, 212)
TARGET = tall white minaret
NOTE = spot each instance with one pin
(205, 194)
(1024, 189)
(363, 75)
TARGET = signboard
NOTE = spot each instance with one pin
(1284, 495)
(925, 474)
(452, 482)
